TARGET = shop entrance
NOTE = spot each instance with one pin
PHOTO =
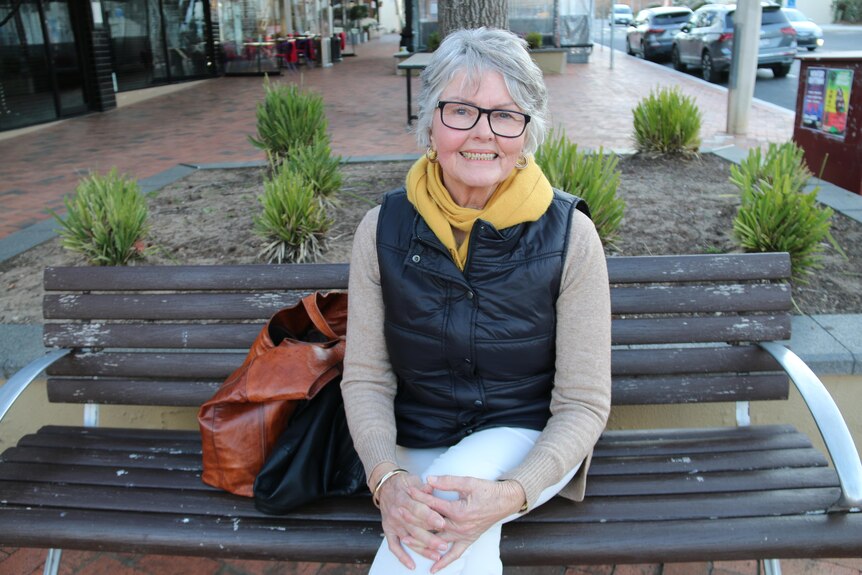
(41, 78)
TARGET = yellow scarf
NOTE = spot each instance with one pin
(524, 196)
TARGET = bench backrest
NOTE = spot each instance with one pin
(684, 327)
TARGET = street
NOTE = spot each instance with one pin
(778, 91)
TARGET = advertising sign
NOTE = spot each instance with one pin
(827, 93)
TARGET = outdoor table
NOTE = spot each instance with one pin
(258, 46)
(414, 62)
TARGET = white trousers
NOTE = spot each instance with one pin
(486, 454)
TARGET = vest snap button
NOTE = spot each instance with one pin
(469, 431)
(477, 403)
(416, 259)
(470, 295)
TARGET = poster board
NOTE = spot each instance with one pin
(825, 100)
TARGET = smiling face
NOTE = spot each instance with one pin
(475, 161)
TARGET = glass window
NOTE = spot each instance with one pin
(26, 91)
(671, 18)
(250, 31)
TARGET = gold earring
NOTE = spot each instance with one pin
(522, 162)
(431, 154)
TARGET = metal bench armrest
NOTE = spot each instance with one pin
(829, 421)
(16, 384)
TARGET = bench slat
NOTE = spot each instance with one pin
(700, 299)
(240, 335)
(223, 277)
(211, 306)
(693, 268)
(646, 390)
(523, 543)
(150, 336)
(591, 510)
(218, 365)
(111, 391)
(621, 269)
(598, 486)
(261, 305)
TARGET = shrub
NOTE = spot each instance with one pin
(106, 220)
(433, 41)
(776, 215)
(534, 40)
(591, 176)
(319, 167)
(667, 122)
(293, 222)
(288, 118)
(786, 158)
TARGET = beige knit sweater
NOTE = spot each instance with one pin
(581, 396)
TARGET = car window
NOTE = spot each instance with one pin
(672, 18)
(773, 16)
(769, 15)
(705, 19)
(795, 15)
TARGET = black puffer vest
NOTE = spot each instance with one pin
(472, 349)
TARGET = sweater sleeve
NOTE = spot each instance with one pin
(368, 384)
(580, 400)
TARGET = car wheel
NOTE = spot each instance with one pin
(644, 52)
(707, 69)
(812, 48)
(780, 70)
(629, 50)
(674, 57)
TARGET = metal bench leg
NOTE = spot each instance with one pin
(772, 566)
(52, 561)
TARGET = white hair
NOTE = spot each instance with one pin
(478, 51)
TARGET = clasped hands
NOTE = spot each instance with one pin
(442, 529)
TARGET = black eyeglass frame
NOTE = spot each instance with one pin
(487, 112)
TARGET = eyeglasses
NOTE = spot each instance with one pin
(461, 116)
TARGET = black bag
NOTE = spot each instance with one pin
(313, 458)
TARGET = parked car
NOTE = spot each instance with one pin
(621, 14)
(808, 34)
(651, 34)
(706, 41)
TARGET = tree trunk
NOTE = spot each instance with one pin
(456, 14)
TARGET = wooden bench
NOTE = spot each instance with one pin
(686, 329)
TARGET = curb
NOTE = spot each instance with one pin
(830, 344)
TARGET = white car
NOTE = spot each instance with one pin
(808, 34)
(621, 14)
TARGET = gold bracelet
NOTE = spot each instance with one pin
(375, 497)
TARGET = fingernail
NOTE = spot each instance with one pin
(431, 478)
(443, 547)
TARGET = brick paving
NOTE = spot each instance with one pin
(209, 122)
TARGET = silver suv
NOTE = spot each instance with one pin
(706, 41)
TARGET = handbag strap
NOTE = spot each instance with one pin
(317, 317)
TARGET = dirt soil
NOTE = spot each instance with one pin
(673, 207)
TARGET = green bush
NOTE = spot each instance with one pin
(293, 222)
(667, 122)
(849, 11)
(776, 214)
(288, 118)
(106, 220)
(786, 158)
(433, 41)
(319, 167)
(534, 40)
(591, 176)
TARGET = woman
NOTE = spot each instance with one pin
(477, 375)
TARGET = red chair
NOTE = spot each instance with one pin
(287, 55)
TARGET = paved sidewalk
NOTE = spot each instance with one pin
(210, 121)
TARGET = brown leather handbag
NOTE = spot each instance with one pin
(296, 354)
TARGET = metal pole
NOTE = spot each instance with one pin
(743, 65)
(611, 21)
